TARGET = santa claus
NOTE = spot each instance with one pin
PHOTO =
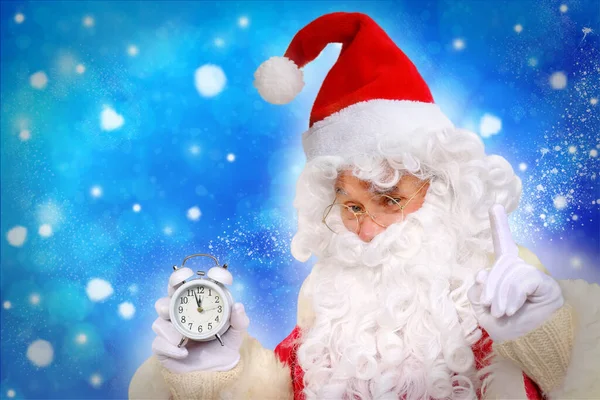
(419, 291)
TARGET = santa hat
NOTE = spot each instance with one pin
(371, 96)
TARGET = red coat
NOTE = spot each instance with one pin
(287, 353)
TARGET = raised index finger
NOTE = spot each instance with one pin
(501, 236)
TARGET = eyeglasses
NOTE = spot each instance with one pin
(386, 211)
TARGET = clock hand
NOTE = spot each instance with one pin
(198, 303)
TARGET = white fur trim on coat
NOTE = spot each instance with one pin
(362, 127)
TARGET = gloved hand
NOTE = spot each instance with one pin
(513, 298)
(197, 356)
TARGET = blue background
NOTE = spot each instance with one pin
(237, 158)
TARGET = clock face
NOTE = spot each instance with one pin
(200, 309)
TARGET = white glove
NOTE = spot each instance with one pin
(197, 356)
(513, 298)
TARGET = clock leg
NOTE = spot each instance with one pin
(182, 341)
(219, 339)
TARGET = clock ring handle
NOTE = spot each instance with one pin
(200, 255)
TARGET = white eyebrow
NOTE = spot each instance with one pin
(341, 190)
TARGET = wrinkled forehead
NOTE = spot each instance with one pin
(350, 184)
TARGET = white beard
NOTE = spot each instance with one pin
(392, 319)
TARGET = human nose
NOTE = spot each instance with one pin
(368, 229)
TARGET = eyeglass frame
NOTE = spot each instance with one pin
(359, 216)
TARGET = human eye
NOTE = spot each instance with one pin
(393, 201)
(355, 208)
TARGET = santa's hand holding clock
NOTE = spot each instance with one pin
(513, 298)
(196, 355)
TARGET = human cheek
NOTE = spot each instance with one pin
(350, 225)
(415, 206)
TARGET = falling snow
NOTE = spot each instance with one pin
(210, 80)
(532, 61)
(126, 310)
(133, 50)
(194, 213)
(88, 21)
(96, 191)
(40, 353)
(25, 135)
(195, 149)
(81, 338)
(45, 230)
(99, 289)
(34, 299)
(558, 80)
(38, 80)
(110, 119)
(560, 202)
(16, 236)
(458, 44)
(563, 173)
(489, 125)
(96, 380)
(243, 22)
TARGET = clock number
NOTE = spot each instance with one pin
(190, 292)
(184, 300)
(220, 309)
(217, 319)
(200, 328)
(209, 292)
(190, 324)
(216, 299)
(183, 319)
(209, 325)
(200, 290)
(180, 309)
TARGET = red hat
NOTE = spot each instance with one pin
(373, 90)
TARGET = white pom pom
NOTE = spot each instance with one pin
(278, 80)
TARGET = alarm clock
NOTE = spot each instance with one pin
(200, 307)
